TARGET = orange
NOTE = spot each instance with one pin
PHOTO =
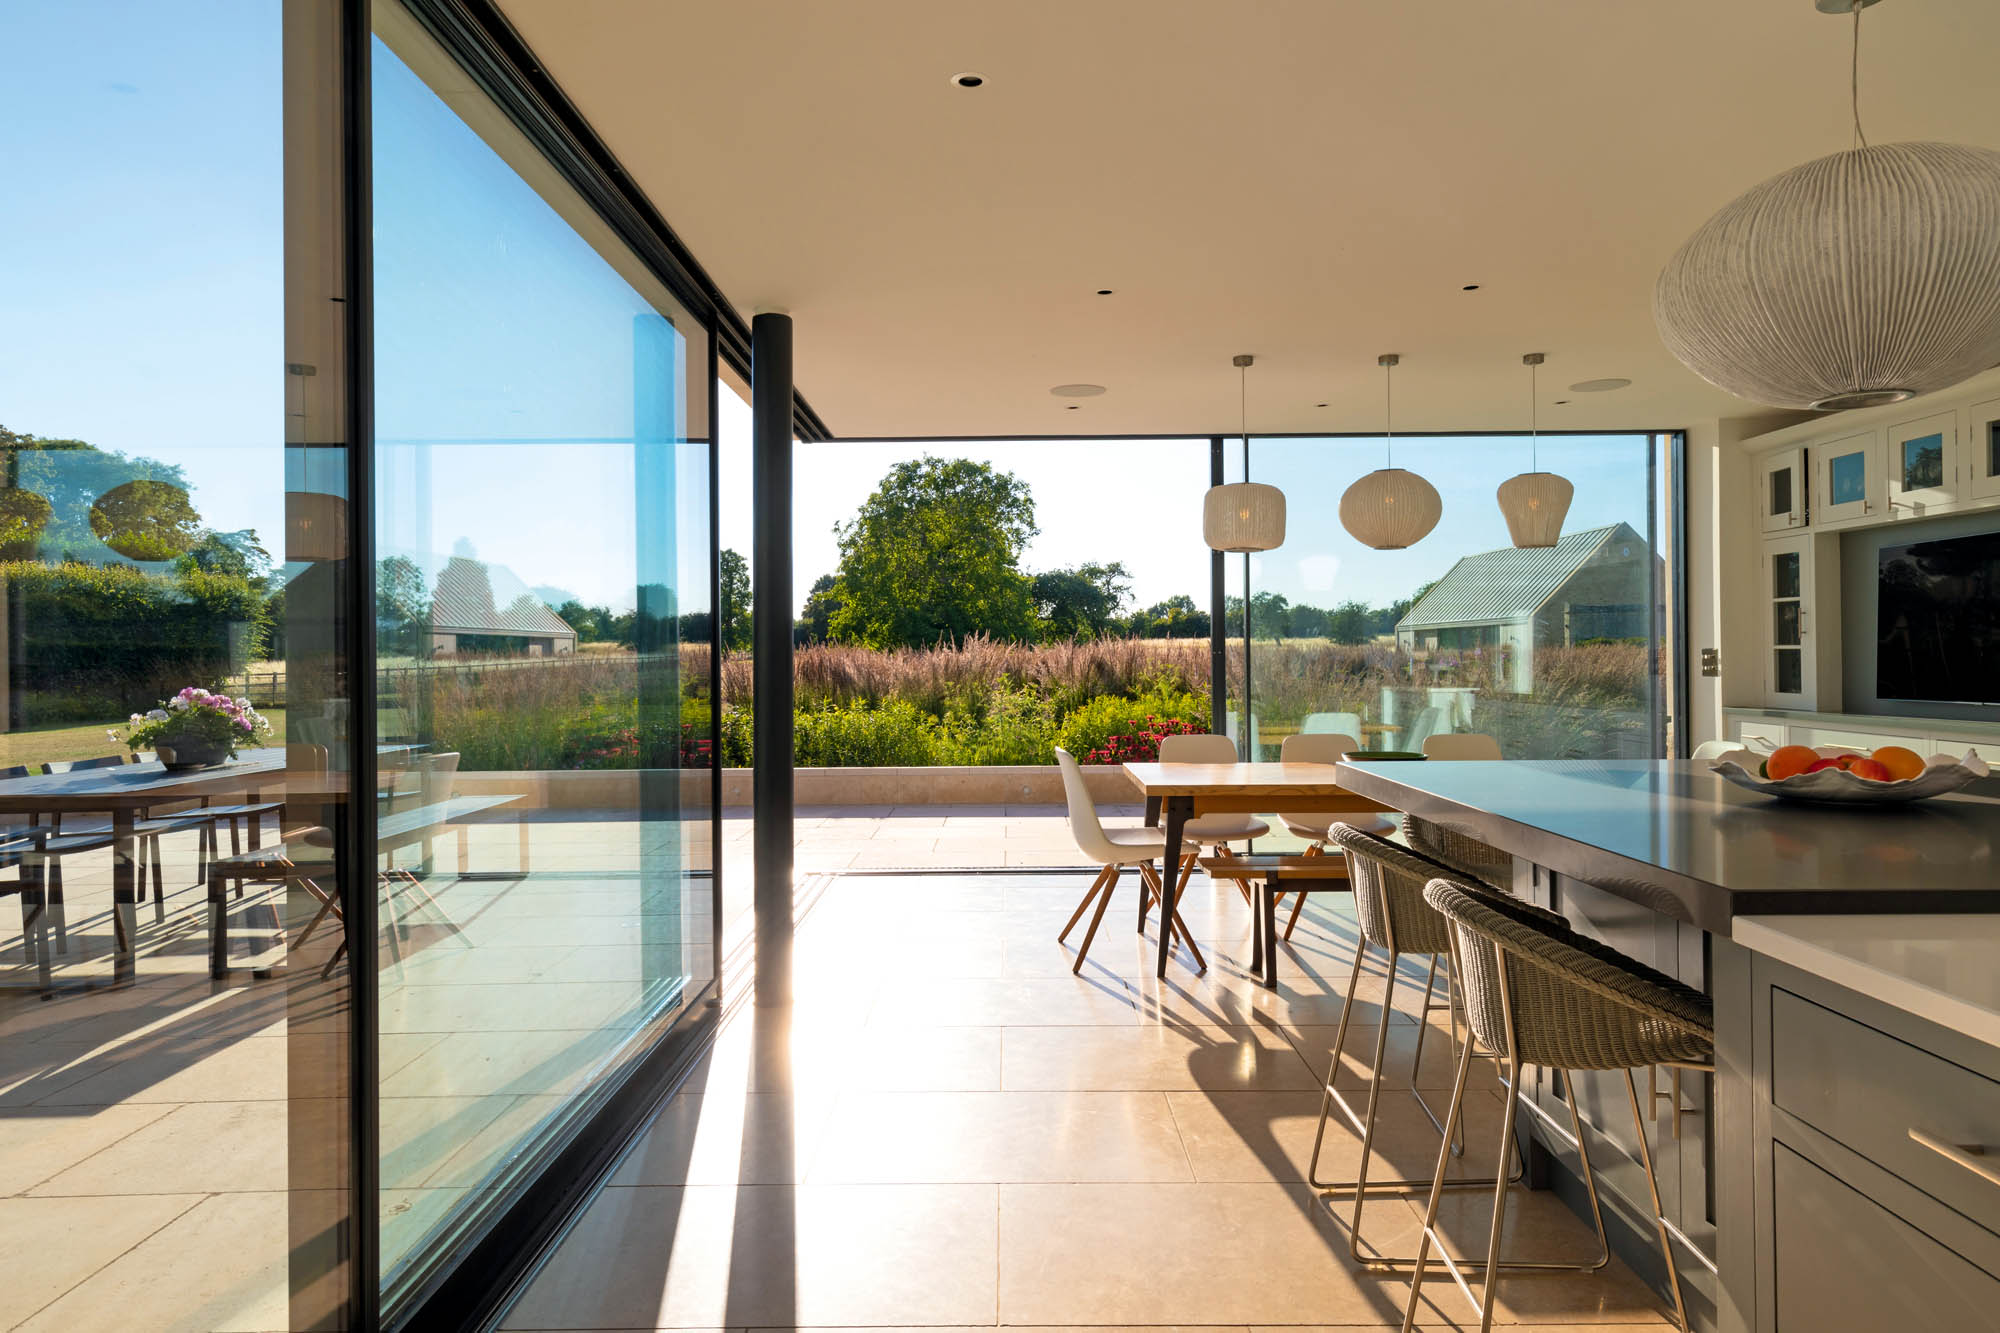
(1872, 769)
(1789, 761)
(1901, 763)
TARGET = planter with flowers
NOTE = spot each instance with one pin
(196, 729)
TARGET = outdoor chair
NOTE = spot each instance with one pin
(1211, 831)
(1538, 993)
(1452, 745)
(1113, 849)
(1335, 724)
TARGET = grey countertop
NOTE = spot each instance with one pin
(1674, 837)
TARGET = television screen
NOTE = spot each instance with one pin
(1938, 621)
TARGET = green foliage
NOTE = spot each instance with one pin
(895, 735)
(934, 555)
(1176, 618)
(1012, 727)
(104, 638)
(823, 603)
(146, 520)
(737, 603)
(1091, 727)
(240, 553)
(402, 608)
(71, 475)
(23, 516)
(1081, 602)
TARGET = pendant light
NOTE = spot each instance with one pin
(1534, 502)
(1246, 515)
(1862, 278)
(1390, 508)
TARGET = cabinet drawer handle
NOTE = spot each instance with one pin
(1971, 1156)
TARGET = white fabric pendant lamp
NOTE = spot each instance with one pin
(1534, 502)
(1244, 515)
(1390, 508)
(1866, 277)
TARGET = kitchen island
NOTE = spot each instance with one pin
(1832, 1173)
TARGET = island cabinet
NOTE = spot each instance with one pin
(1877, 1162)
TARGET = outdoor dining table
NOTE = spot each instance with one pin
(127, 792)
(1179, 792)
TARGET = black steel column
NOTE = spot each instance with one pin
(1218, 615)
(771, 575)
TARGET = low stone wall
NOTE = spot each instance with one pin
(618, 789)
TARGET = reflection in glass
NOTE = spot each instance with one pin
(1551, 651)
(542, 572)
(1786, 626)
(1923, 462)
(1785, 574)
(1848, 479)
(1790, 671)
(1781, 491)
(1993, 448)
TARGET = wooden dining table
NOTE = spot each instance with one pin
(1179, 792)
(126, 792)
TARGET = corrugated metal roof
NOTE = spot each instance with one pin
(462, 603)
(1495, 587)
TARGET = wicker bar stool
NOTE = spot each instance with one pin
(1388, 883)
(1540, 994)
(1467, 855)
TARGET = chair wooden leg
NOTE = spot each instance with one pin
(1091, 934)
(1096, 884)
(1297, 908)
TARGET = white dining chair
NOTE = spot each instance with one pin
(1316, 827)
(1461, 745)
(1112, 849)
(1214, 832)
(1717, 749)
(1335, 724)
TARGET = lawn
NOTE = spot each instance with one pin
(43, 745)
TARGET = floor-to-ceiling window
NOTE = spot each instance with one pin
(174, 1041)
(1556, 652)
(543, 550)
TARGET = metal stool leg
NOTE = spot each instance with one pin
(1653, 1184)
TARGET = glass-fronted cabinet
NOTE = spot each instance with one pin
(1849, 480)
(1782, 489)
(1787, 572)
(1983, 450)
(1923, 463)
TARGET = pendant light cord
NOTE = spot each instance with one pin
(1389, 411)
(1243, 414)
(1534, 421)
(1854, 78)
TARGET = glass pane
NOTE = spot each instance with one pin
(1781, 491)
(1549, 650)
(1790, 671)
(1848, 479)
(175, 1067)
(1785, 574)
(542, 585)
(1785, 623)
(1923, 462)
(1993, 448)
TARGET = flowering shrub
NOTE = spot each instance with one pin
(194, 718)
(1090, 728)
(1140, 743)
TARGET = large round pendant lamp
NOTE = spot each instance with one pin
(1534, 502)
(1862, 278)
(1245, 515)
(1390, 508)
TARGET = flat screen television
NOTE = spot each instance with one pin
(1938, 621)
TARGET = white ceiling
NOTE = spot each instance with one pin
(1311, 181)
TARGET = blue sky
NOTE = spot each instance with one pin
(143, 311)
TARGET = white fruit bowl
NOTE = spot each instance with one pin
(1833, 786)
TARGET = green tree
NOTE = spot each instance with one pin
(1176, 618)
(1269, 615)
(1350, 622)
(240, 553)
(71, 475)
(737, 602)
(1081, 602)
(823, 603)
(146, 520)
(934, 554)
(402, 608)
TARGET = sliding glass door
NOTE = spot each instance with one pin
(542, 573)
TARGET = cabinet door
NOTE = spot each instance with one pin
(1923, 464)
(1782, 489)
(1982, 450)
(1849, 479)
(1788, 593)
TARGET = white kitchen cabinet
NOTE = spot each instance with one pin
(1783, 490)
(1923, 464)
(1788, 598)
(1850, 480)
(1772, 734)
(1982, 451)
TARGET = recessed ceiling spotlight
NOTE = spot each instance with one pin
(1562, 402)
(1599, 386)
(967, 80)
(1321, 404)
(1104, 291)
(1075, 407)
(1077, 390)
(1470, 287)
